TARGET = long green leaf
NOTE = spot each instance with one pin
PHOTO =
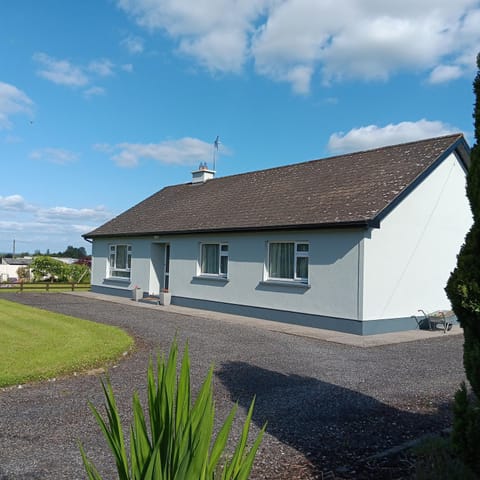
(116, 433)
(183, 393)
(92, 472)
(140, 444)
(221, 442)
(247, 463)
(113, 432)
(153, 470)
(234, 465)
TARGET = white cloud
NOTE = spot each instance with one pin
(67, 214)
(58, 156)
(61, 72)
(215, 32)
(41, 227)
(93, 91)
(104, 147)
(445, 73)
(12, 102)
(185, 151)
(373, 136)
(13, 203)
(292, 40)
(102, 67)
(133, 44)
(127, 67)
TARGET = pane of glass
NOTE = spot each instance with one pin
(223, 264)
(120, 273)
(210, 260)
(302, 267)
(167, 259)
(112, 260)
(302, 247)
(121, 260)
(224, 248)
(281, 259)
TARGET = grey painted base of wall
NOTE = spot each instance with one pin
(345, 325)
(119, 292)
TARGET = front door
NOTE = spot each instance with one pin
(166, 269)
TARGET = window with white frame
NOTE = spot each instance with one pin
(288, 261)
(214, 259)
(120, 261)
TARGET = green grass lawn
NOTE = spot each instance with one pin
(36, 344)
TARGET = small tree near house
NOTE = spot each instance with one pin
(463, 290)
(44, 267)
(23, 274)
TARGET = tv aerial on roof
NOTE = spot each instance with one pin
(215, 151)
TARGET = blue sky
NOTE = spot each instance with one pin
(104, 102)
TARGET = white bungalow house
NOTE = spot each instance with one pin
(355, 243)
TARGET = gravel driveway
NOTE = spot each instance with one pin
(328, 406)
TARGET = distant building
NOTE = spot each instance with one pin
(9, 267)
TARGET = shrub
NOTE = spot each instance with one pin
(177, 446)
(463, 290)
(436, 460)
(466, 428)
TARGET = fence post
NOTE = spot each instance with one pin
(21, 286)
(48, 286)
(73, 287)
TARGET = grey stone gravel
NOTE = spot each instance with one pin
(328, 406)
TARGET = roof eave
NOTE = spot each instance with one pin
(362, 224)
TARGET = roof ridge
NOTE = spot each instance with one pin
(333, 157)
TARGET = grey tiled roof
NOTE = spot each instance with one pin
(355, 189)
(16, 261)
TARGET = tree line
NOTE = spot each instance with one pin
(69, 252)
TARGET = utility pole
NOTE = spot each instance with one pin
(13, 255)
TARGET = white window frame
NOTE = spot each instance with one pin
(113, 270)
(222, 252)
(296, 256)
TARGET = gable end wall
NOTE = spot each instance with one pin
(408, 260)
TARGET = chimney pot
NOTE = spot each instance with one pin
(202, 174)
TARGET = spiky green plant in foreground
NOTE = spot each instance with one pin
(178, 444)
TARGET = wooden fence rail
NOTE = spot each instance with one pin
(40, 286)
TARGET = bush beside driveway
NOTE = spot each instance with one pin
(327, 405)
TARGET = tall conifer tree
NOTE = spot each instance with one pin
(463, 290)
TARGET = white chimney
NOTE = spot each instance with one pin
(202, 174)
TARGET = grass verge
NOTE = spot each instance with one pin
(36, 344)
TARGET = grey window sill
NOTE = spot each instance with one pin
(120, 281)
(286, 283)
(210, 278)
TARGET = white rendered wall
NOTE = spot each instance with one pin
(9, 271)
(408, 260)
(141, 263)
(333, 271)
